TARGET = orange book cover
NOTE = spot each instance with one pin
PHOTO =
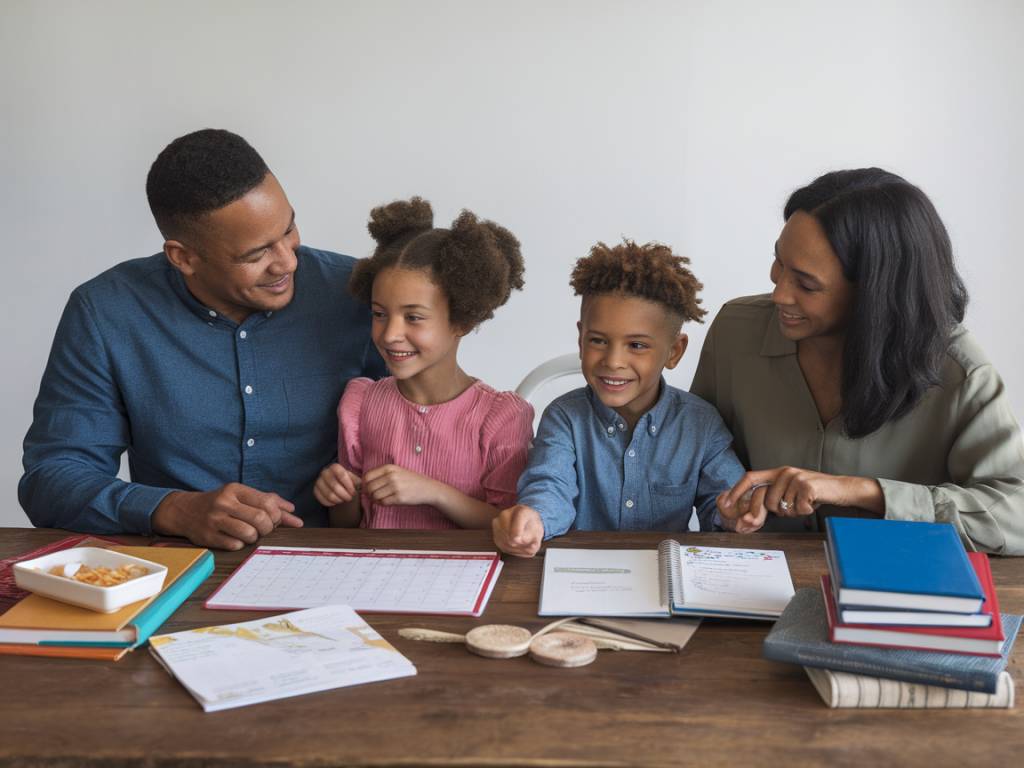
(38, 612)
(63, 651)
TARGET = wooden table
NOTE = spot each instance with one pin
(717, 702)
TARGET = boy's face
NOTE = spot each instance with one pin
(625, 343)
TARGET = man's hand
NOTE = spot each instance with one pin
(335, 485)
(518, 531)
(227, 518)
(394, 486)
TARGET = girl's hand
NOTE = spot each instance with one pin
(335, 485)
(795, 492)
(395, 486)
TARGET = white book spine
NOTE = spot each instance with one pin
(841, 690)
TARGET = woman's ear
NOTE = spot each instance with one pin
(677, 350)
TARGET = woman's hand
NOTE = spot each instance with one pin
(793, 492)
(393, 486)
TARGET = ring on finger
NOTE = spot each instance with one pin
(784, 506)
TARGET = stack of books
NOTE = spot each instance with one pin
(905, 618)
(40, 626)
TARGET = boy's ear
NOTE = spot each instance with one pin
(676, 353)
(579, 338)
(181, 256)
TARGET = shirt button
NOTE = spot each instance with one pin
(418, 449)
(248, 389)
(653, 429)
(242, 334)
(422, 409)
(622, 426)
(611, 430)
(629, 503)
(632, 453)
(250, 442)
(212, 313)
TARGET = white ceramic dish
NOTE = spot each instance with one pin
(34, 576)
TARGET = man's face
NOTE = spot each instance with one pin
(241, 258)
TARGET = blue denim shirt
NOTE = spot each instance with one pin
(586, 472)
(197, 400)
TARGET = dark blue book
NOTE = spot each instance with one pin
(901, 565)
(800, 636)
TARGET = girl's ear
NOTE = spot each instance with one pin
(677, 350)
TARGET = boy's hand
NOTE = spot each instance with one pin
(518, 531)
(335, 485)
(395, 486)
(747, 514)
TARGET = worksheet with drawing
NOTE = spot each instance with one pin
(393, 581)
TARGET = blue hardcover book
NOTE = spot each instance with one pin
(800, 636)
(901, 565)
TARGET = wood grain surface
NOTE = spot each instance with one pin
(716, 703)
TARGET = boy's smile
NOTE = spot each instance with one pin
(625, 344)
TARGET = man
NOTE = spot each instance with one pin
(216, 364)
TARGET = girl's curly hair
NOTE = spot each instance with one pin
(475, 263)
(649, 271)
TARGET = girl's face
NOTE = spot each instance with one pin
(813, 297)
(410, 325)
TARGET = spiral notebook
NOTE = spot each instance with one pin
(668, 581)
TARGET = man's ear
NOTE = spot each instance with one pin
(181, 256)
(678, 348)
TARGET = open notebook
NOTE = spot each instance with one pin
(671, 580)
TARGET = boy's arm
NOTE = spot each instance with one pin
(549, 483)
(720, 470)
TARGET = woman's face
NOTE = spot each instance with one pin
(812, 295)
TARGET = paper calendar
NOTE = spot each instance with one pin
(368, 580)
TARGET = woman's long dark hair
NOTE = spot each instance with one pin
(908, 295)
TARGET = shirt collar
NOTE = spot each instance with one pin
(774, 344)
(612, 423)
(202, 311)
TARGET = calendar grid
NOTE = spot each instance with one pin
(368, 580)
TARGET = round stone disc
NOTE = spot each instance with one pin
(498, 641)
(563, 649)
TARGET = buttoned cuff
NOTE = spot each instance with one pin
(135, 512)
(908, 501)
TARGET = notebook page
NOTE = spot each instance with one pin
(727, 580)
(601, 582)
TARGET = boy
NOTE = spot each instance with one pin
(628, 451)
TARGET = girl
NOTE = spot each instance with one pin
(430, 446)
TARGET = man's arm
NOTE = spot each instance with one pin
(79, 430)
(73, 449)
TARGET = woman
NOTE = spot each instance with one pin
(853, 389)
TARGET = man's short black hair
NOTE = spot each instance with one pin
(198, 173)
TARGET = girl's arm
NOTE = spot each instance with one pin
(394, 486)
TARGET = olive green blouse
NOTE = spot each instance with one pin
(956, 457)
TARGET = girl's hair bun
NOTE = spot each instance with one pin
(400, 219)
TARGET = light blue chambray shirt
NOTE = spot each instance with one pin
(585, 472)
(197, 400)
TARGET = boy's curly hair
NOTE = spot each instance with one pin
(649, 271)
(475, 263)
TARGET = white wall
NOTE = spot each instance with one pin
(569, 122)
